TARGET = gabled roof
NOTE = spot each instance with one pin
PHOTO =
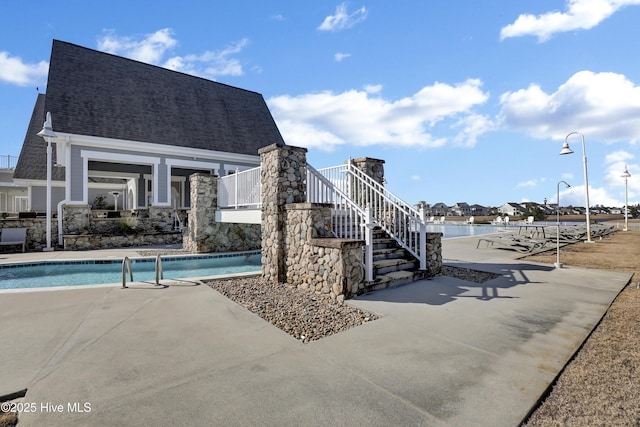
(99, 94)
(32, 163)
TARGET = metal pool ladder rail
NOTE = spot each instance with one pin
(159, 274)
(126, 263)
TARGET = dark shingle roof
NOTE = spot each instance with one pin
(32, 163)
(99, 94)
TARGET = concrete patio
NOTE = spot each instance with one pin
(445, 352)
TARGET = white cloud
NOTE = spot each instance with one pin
(153, 48)
(604, 106)
(327, 119)
(373, 88)
(340, 56)
(14, 71)
(342, 19)
(580, 15)
(415, 178)
(532, 183)
(150, 49)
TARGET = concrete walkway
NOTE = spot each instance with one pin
(446, 352)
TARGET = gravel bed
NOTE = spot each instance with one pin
(306, 315)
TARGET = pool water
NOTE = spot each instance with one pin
(74, 273)
(450, 231)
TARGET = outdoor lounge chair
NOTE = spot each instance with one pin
(513, 242)
(14, 237)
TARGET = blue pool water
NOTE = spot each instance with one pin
(450, 231)
(74, 273)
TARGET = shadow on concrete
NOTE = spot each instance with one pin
(441, 290)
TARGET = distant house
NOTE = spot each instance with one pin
(461, 209)
(478, 210)
(137, 130)
(510, 209)
(439, 209)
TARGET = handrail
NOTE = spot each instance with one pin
(349, 220)
(400, 220)
(126, 263)
(159, 274)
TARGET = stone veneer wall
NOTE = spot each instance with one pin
(203, 233)
(283, 181)
(80, 242)
(36, 232)
(434, 253)
(314, 260)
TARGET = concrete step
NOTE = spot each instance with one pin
(390, 265)
(389, 280)
(388, 253)
(386, 243)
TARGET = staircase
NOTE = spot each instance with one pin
(392, 264)
(394, 232)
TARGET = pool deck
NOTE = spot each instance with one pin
(445, 352)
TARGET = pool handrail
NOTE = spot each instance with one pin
(126, 263)
(159, 274)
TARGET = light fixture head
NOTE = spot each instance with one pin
(47, 128)
(626, 173)
(566, 149)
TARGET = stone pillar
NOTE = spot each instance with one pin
(204, 202)
(434, 253)
(373, 168)
(283, 179)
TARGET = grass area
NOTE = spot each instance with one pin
(601, 385)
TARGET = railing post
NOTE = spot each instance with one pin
(236, 189)
(423, 238)
(368, 256)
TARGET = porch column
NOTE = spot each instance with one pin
(283, 179)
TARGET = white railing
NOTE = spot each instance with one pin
(240, 190)
(349, 220)
(400, 220)
(8, 162)
(359, 203)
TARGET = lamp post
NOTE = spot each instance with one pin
(558, 264)
(626, 175)
(567, 150)
(47, 133)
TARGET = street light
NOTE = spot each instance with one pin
(558, 264)
(626, 175)
(47, 133)
(567, 150)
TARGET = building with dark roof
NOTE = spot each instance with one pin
(137, 129)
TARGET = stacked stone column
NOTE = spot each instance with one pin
(283, 179)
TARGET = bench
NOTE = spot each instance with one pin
(14, 237)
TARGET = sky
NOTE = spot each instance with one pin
(465, 101)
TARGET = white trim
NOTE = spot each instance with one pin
(121, 158)
(194, 164)
(118, 157)
(160, 149)
(67, 173)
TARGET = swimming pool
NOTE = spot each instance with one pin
(49, 274)
(450, 231)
